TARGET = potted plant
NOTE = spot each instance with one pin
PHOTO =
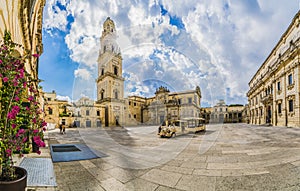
(20, 112)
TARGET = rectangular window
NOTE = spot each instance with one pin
(190, 100)
(50, 111)
(129, 116)
(87, 112)
(278, 86)
(279, 108)
(134, 116)
(48, 99)
(129, 103)
(134, 104)
(290, 78)
(220, 109)
(179, 101)
(291, 106)
(98, 113)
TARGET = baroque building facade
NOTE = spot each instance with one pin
(274, 94)
(23, 20)
(165, 105)
(222, 113)
(135, 109)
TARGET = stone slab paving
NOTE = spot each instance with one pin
(228, 157)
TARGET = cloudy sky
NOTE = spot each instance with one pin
(215, 44)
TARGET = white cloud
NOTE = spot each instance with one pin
(64, 98)
(82, 73)
(221, 40)
(54, 17)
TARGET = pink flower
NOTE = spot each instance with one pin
(38, 152)
(24, 84)
(5, 79)
(30, 98)
(34, 120)
(17, 98)
(16, 108)
(13, 126)
(21, 75)
(24, 139)
(36, 139)
(11, 115)
(1, 62)
(15, 82)
(8, 152)
(21, 131)
(36, 55)
(35, 131)
(44, 123)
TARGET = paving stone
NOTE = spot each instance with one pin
(206, 172)
(191, 164)
(164, 188)
(120, 174)
(113, 184)
(296, 163)
(162, 177)
(177, 169)
(189, 182)
(99, 174)
(241, 157)
(141, 185)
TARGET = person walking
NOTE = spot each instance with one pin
(64, 129)
(60, 128)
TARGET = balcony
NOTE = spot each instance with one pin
(267, 99)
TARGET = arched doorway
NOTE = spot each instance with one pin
(269, 114)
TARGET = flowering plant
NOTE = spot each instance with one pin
(20, 112)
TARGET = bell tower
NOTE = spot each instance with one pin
(110, 83)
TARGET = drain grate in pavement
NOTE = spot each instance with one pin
(40, 171)
(64, 148)
(72, 152)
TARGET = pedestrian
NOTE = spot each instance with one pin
(60, 128)
(159, 130)
(64, 129)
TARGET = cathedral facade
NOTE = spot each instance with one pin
(134, 110)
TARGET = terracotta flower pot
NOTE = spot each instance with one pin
(15, 185)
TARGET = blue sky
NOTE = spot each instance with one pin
(217, 45)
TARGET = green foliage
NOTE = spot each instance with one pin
(20, 113)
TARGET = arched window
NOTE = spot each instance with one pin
(102, 71)
(102, 94)
(115, 70)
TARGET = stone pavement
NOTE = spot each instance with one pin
(226, 157)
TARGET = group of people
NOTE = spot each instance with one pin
(62, 129)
